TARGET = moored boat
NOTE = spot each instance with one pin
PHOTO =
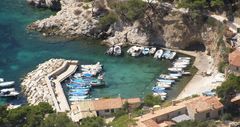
(1, 80)
(174, 69)
(77, 98)
(7, 84)
(96, 82)
(152, 50)
(158, 54)
(145, 51)
(178, 74)
(163, 85)
(172, 55)
(9, 94)
(166, 80)
(164, 76)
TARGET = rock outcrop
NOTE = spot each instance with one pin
(53, 4)
(162, 25)
(34, 84)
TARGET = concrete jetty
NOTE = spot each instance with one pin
(44, 83)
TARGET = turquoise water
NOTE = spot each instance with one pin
(21, 51)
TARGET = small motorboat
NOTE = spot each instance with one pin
(135, 51)
(157, 88)
(117, 51)
(179, 66)
(163, 85)
(178, 74)
(158, 54)
(79, 89)
(96, 82)
(174, 69)
(9, 94)
(7, 84)
(77, 98)
(7, 90)
(184, 58)
(165, 80)
(152, 50)
(145, 51)
(163, 97)
(168, 83)
(166, 54)
(160, 93)
(1, 80)
(110, 51)
(164, 76)
(172, 55)
(87, 75)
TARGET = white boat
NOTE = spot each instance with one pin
(135, 51)
(168, 83)
(7, 84)
(163, 85)
(77, 98)
(184, 61)
(110, 51)
(1, 80)
(7, 90)
(163, 97)
(9, 94)
(166, 54)
(164, 76)
(160, 93)
(152, 50)
(174, 69)
(176, 74)
(172, 55)
(179, 65)
(145, 51)
(158, 54)
(184, 58)
(165, 80)
(186, 73)
(117, 51)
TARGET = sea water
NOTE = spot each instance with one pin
(21, 51)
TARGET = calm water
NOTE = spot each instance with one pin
(21, 51)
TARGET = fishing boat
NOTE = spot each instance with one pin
(163, 97)
(152, 50)
(165, 80)
(158, 54)
(7, 90)
(96, 82)
(186, 73)
(172, 55)
(163, 85)
(175, 69)
(117, 51)
(178, 74)
(157, 88)
(9, 94)
(160, 93)
(7, 84)
(145, 51)
(164, 76)
(166, 54)
(179, 66)
(77, 98)
(184, 58)
(110, 51)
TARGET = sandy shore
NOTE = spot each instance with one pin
(200, 82)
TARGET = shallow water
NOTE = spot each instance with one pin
(21, 51)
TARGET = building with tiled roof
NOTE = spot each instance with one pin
(199, 108)
(100, 107)
(234, 62)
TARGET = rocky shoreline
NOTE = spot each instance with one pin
(34, 85)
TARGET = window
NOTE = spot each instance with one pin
(219, 112)
(107, 110)
(112, 110)
(208, 115)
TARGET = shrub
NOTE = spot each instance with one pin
(107, 20)
(226, 116)
(150, 100)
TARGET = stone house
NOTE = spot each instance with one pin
(234, 62)
(199, 108)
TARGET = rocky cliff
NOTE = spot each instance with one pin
(53, 4)
(162, 25)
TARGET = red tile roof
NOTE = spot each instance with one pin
(132, 100)
(150, 123)
(204, 103)
(111, 103)
(234, 58)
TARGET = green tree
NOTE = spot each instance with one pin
(57, 120)
(92, 122)
(150, 100)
